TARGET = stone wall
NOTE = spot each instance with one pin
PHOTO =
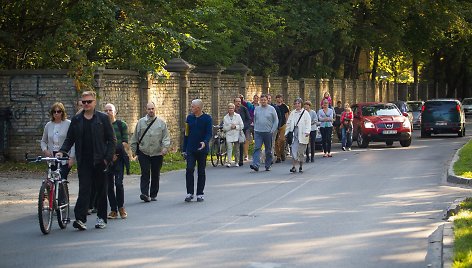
(30, 94)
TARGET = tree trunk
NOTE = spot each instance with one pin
(375, 64)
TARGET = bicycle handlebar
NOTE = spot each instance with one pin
(217, 126)
(42, 158)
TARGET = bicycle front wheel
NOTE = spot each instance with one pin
(222, 152)
(45, 208)
(62, 210)
(214, 149)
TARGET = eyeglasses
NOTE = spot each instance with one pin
(87, 101)
(57, 112)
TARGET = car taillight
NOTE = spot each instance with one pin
(422, 108)
(458, 108)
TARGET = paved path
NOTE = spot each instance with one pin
(375, 207)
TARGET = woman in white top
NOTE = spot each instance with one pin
(299, 122)
(54, 134)
(232, 126)
(326, 118)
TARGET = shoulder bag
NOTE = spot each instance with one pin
(289, 136)
(142, 136)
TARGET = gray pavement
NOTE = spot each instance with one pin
(375, 207)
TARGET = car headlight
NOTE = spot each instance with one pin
(368, 124)
(406, 123)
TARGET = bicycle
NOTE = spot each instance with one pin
(218, 147)
(53, 195)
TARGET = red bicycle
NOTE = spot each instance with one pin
(53, 194)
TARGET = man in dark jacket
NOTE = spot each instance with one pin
(92, 133)
(246, 117)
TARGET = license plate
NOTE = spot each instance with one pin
(389, 132)
(441, 123)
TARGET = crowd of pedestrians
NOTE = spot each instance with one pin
(101, 146)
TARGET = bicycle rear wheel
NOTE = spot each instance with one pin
(62, 210)
(214, 149)
(222, 152)
(45, 208)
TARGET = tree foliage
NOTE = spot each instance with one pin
(407, 40)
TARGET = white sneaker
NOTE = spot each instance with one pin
(200, 198)
(189, 197)
(228, 164)
(236, 164)
(100, 224)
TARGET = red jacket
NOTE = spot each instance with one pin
(347, 116)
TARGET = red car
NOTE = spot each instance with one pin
(374, 121)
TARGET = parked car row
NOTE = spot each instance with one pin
(391, 122)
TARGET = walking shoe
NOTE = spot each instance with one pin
(200, 198)
(267, 168)
(307, 160)
(189, 197)
(89, 211)
(300, 169)
(78, 224)
(154, 198)
(246, 158)
(112, 215)
(293, 169)
(278, 160)
(94, 210)
(100, 224)
(123, 213)
(254, 167)
(228, 165)
(349, 148)
(240, 164)
(344, 148)
(145, 198)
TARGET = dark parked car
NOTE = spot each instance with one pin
(382, 122)
(442, 116)
(403, 107)
(415, 108)
(467, 105)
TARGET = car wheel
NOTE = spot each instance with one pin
(425, 134)
(362, 141)
(405, 143)
(389, 143)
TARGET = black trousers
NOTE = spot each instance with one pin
(326, 133)
(115, 180)
(150, 169)
(310, 149)
(91, 174)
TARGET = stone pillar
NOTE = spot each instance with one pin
(354, 92)
(182, 67)
(144, 93)
(366, 90)
(215, 72)
(242, 70)
(303, 91)
(317, 98)
(343, 91)
(98, 83)
(266, 85)
(284, 89)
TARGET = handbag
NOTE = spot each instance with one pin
(242, 137)
(289, 136)
(142, 136)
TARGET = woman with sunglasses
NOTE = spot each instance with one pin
(54, 135)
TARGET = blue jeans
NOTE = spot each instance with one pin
(259, 139)
(346, 138)
(198, 158)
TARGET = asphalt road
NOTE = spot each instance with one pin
(372, 207)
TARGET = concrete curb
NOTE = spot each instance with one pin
(451, 176)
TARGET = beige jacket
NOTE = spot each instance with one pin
(304, 126)
(156, 139)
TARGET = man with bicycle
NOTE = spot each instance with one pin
(92, 133)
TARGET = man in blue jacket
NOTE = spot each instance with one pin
(198, 127)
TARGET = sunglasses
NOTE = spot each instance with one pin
(87, 101)
(57, 112)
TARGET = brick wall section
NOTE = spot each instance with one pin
(33, 92)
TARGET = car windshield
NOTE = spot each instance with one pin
(415, 106)
(380, 109)
(434, 106)
(467, 101)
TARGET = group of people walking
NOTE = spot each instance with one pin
(101, 146)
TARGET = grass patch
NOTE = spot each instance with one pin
(463, 236)
(463, 166)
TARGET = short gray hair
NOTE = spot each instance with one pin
(198, 102)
